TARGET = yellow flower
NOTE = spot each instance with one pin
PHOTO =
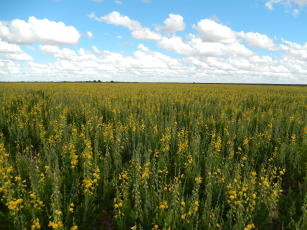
(55, 225)
(58, 212)
(253, 173)
(33, 195)
(74, 227)
(133, 227)
(196, 203)
(249, 227)
(35, 224)
(15, 205)
(145, 174)
(163, 205)
(198, 180)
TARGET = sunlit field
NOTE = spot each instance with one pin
(152, 156)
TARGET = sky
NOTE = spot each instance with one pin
(240, 41)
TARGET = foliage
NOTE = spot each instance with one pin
(152, 156)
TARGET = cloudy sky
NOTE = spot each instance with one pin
(244, 41)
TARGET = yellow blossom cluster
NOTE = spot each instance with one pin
(37, 203)
(89, 184)
(15, 204)
(56, 225)
(163, 205)
(35, 224)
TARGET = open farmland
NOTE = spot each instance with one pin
(152, 156)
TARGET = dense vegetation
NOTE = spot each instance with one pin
(152, 156)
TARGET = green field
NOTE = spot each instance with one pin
(152, 156)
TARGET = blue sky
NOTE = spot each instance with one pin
(246, 41)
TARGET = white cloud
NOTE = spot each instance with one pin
(138, 31)
(115, 18)
(176, 44)
(147, 65)
(295, 12)
(89, 34)
(196, 47)
(269, 4)
(299, 2)
(38, 30)
(288, 3)
(65, 53)
(172, 24)
(8, 48)
(211, 31)
(257, 40)
(84, 64)
(146, 34)
(13, 52)
(295, 51)
(216, 53)
(213, 39)
(213, 53)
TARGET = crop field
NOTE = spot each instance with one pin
(152, 156)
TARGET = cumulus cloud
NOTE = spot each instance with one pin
(213, 39)
(172, 24)
(218, 48)
(148, 65)
(115, 18)
(258, 40)
(211, 31)
(38, 30)
(295, 51)
(195, 46)
(146, 34)
(177, 45)
(212, 53)
(13, 52)
(65, 53)
(138, 31)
